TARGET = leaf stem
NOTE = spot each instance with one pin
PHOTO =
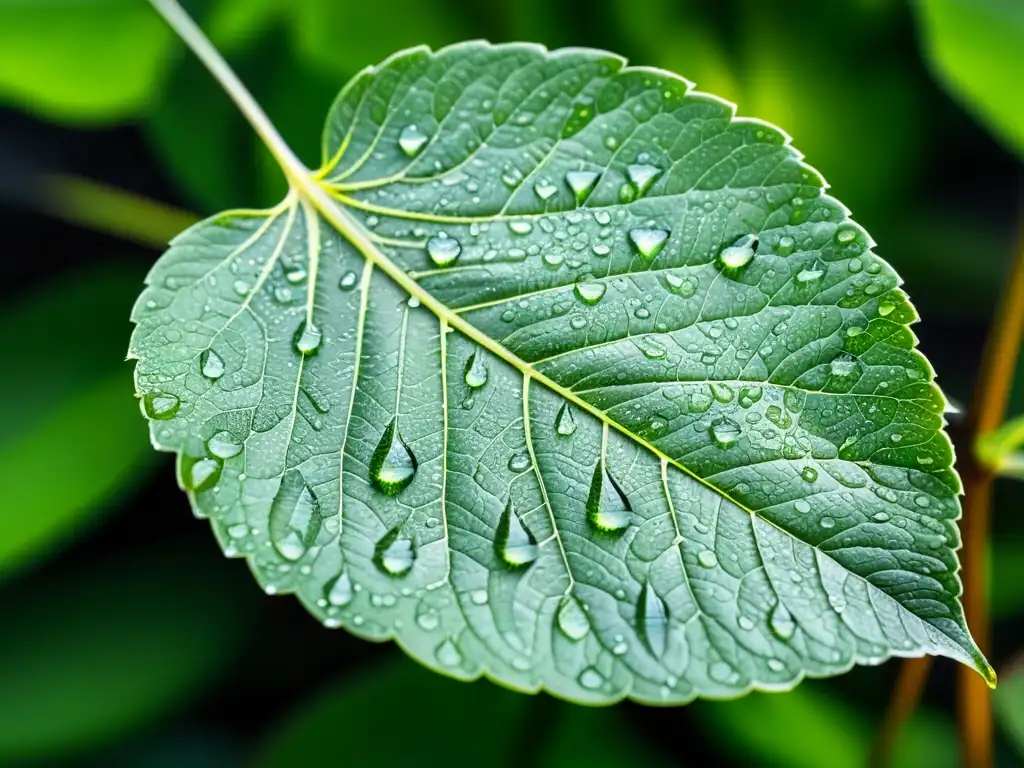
(193, 36)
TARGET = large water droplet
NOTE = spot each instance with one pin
(393, 464)
(394, 554)
(519, 462)
(707, 558)
(475, 372)
(725, 432)
(740, 253)
(652, 617)
(200, 474)
(515, 543)
(641, 176)
(211, 365)
(572, 619)
(565, 424)
(412, 140)
(648, 242)
(339, 592)
(448, 655)
(781, 622)
(590, 292)
(161, 405)
(224, 445)
(443, 250)
(608, 509)
(581, 183)
(308, 338)
(295, 518)
(591, 679)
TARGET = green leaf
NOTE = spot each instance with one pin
(91, 60)
(1008, 705)
(88, 658)
(560, 373)
(974, 48)
(56, 468)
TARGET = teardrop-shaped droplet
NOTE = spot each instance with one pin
(475, 372)
(443, 250)
(572, 619)
(565, 424)
(725, 432)
(412, 140)
(200, 474)
(590, 292)
(394, 554)
(295, 518)
(447, 654)
(339, 592)
(608, 509)
(648, 242)
(641, 176)
(161, 405)
(515, 543)
(652, 618)
(581, 183)
(308, 338)
(211, 364)
(224, 445)
(740, 253)
(393, 464)
(782, 623)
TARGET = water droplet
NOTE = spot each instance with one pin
(544, 189)
(515, 543)
(572, 620)
(577, 322)
(242, 287)
(827, 523)
(749, 396)
(161, 405)
(394, 554)
(707, 558)
(652, 617)
(581, 183)
(295, 275)
(886, 308)
(740, 253)
(781, 622)
(745, 623)
(844, 364)
(725, 432)
(200, 474)
(641, 176)
(475, 371)
(393, 464)
(339, 592)
(809, 474)
(443, 250)
(308, 338)
(591, 679)
(685, 286)
(348, 281)
(590, 292)
(211, 364)
(224, 445)
(651, 349)
(786, 245)
(295, 517)
(608, 509)
(845, 235)
(802, 506)
(648, 242)
(412, 140)
(448, 655)
(479, 597)
(810, 275)
(565, 424)
(520, 227)
(519, 462)
(775, 665)
(553, 260)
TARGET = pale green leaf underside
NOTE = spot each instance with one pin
(776, 467)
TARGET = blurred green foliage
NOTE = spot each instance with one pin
(94, 654)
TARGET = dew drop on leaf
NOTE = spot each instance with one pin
(348, 281)
(565, 424)
(443, 250)
(448, 655)
(707, 558)
(295, 518)
(781, 622)
(200, 474)
(224, 445)
(339, 591)
(590, 292)
(393, 464)
(739, 254)
(581, 183)
(608, 509)
(648, 242)
(641, 176)
(572, 620)
(544, 189)
(475, 372)
(308, 338)
(725, 432)
(412, 140)
(161, 405)
(514, 543)
(652, 617)
(211, 365)
(394, 554)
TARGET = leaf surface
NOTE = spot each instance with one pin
(559, 372)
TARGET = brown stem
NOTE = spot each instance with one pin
(987, 412)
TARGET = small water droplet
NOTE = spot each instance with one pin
(845, 235)
(781, 622)
(211, 364)
(565, 424)
(648, 242)
(443, 250)
(393, 464)
(479, 597)
(348, 281)
(802, 506)
(520, 227)
(572, 619)
(809, 474)
(641, 176)
(475, 371)
(786, 245)
(394, 554)
(519, 462)
(590, 292)
(739, 254)
(775, 665)
(242, 288)
(591, 679)
(448, 655)
(200, 474)
(725, 432)
(544, 189)
(577, 322)
(608, 509)
(745, 623)
(886, 308)
(339, 592)
(308, 338)
(810, 275)
(553, 260)
(707, 558)
(514, 543)
(412, 140)
(652, 617)
(683, 285)
(161, 405)
(651, 349)
(581, 183)
(827, 523)
(844, 364)
(224, 445)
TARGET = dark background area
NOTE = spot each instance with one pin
(127, 639)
